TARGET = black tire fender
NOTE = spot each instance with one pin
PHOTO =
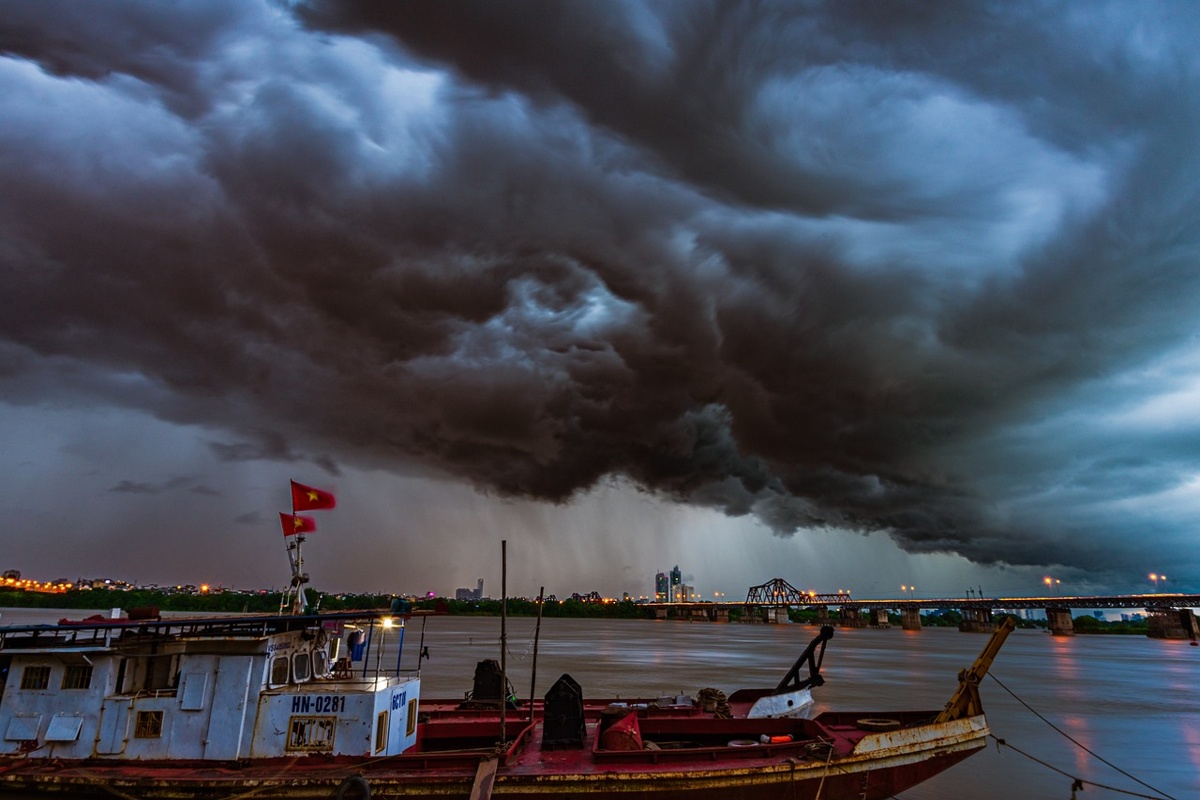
(353, 788)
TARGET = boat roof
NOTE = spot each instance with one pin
(98, 633)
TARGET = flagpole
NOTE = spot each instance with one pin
(298, 569)
(307, 499)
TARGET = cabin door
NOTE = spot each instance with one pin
(227, 737)
(114, 726)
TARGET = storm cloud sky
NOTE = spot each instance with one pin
(926, 274)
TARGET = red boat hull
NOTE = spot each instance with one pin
(849, 765)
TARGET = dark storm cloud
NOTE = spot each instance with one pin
(872, 267)
(145, 487)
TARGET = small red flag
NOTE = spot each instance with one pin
(306, 498)
(295, 523)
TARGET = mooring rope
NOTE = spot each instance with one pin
(824, 772)
(1161, 795)
(1078, 783)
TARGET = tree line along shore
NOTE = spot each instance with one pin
(269, 603)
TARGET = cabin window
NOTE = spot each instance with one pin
(148, 673)
(381, 731)
(35, 678)
(279, 671)
(311, 734)
(77, 676)
(300, 667)
(319, 666)
(412, 717)
(148, 725)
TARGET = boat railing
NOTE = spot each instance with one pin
(355, 682)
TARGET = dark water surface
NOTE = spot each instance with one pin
(1132, 700)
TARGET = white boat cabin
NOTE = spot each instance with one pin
(215, 688)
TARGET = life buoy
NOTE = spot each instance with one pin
(344, 791)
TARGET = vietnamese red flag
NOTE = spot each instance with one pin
(294, 523)
(306, 498)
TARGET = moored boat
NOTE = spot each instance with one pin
(301, 706)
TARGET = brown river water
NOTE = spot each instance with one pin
(1132, 701)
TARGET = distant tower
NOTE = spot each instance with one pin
(479, 590)
(676, 580)
(662, 587)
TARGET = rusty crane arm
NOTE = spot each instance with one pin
(965, 702)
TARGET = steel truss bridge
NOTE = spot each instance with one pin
(778, 593)
(1169, 615)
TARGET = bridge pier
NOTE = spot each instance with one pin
(977, 620)
(823, 615)
(852, 618)
(766, 615)
(878, 618)
(1171, 623)
(660, 613)
(719, 615)
(910, 619)
(1060, 621)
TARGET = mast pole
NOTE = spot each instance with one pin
(503, 635)
(537, 632)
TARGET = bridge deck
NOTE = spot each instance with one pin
(1147, 601)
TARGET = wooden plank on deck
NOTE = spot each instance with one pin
(485, 776)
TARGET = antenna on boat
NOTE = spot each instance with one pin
(299, 576)
(293, 598)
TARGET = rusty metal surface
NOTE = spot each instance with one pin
(871, 765)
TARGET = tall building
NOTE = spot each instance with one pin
(676, 580)
(662, 588)
(470, 594)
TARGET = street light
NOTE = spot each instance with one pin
(909, 589)
(1154, 576)
(1051, 583)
